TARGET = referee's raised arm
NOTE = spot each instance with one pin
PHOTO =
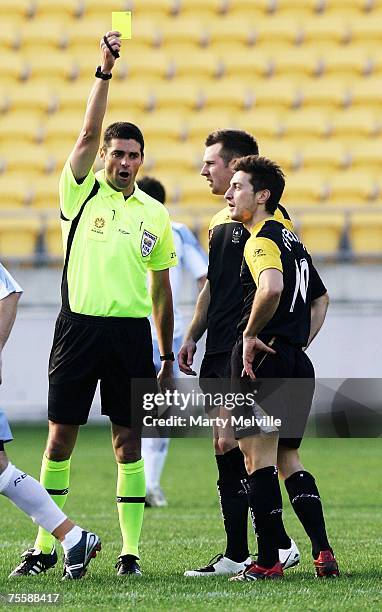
(86, 148)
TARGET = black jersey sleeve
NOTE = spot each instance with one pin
(317, 286)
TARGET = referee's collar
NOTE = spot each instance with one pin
(137, 194)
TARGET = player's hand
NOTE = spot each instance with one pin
(108, 59)
(186, 357)
(166, 377)
(1, 368)
(252, 345)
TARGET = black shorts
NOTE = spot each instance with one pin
(89, 349)
(287, 395)
(215, 375)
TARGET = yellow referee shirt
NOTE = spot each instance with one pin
(109, 245)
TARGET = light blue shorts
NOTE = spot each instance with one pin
(5, 430)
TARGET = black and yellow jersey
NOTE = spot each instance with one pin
(272, 245)
(227, 240)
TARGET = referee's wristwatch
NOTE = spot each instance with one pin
(167, 357)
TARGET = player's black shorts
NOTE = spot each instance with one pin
(287, 394)
(215, 375)
(86, 349)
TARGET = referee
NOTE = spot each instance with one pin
(279, 309)
(113, 233)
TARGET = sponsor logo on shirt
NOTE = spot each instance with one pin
(237, 233)
(99, 222)
(147, 243)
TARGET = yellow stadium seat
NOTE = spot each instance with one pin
(228, 95)
(195, 192)
(367, 92)
(200, 65)
(45, 191)
(82, 36)
(17, 10)
(272, 32)
(148, 66)
(31, 98)
(15, 194)
(244, 64)
(20, 128)
(200, 125)
(125, 97)
(18, 237)
(304, 189)
(182, 158)
(9, 35)
(366, 155)
(283, 152)
(321, 232)
(260, 122)
(356, 123)
(294, 62)
(181, 30)
(330, 93)
(334, 6)
(327, 29)
(348, 61)
(55, 67)
(62, 10)
(25, 161)
(305, 124)
(180, 95)
(163, 126)
(210, 9)
(231, 29)
(15, 67)
(329, 156)
(61, 131)
(366, 233)
(275, 93)
(249, 8)
(53, 238)
(365, 29)
(353, 188)
(41, 36)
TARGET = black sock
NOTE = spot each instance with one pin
(234, 504)
(266, 504)
(306, 502)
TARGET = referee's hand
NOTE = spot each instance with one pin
(108, 59)
(186, 357)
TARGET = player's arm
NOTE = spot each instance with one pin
(195, 331)
(163, 316)
(265, 304)
(86, 148)
(8, 307)
(318, 311)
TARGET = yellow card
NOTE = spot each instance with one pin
(121, 22)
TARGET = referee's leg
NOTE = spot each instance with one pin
(131, 488)
(55, 472)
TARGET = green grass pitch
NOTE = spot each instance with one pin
(189, 532)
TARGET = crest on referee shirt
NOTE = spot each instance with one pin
(147, 243)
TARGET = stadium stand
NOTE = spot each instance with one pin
(302, 75)
(18, 238)
(321, 233)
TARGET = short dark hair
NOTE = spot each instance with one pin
(123, 129)
(153, 188)
(265, 174)
(235, 143)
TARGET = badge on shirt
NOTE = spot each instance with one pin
(147, 243)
